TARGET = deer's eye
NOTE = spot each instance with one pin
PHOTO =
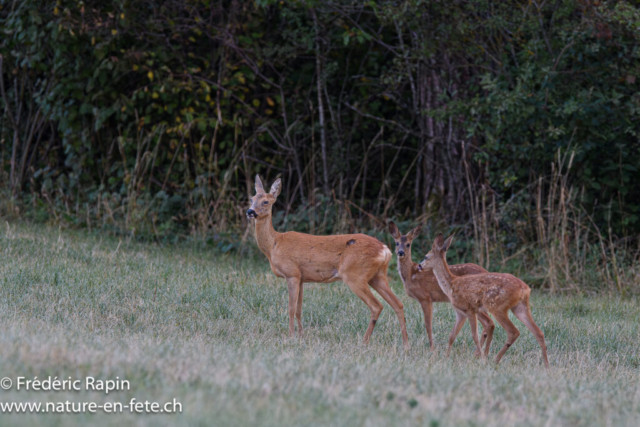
(397, 244)
(408, 244)
(266, 202)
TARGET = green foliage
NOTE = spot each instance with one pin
(154, 116)
(578, 93)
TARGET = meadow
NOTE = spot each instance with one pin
(211, 331)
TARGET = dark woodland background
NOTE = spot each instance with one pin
(513, 123)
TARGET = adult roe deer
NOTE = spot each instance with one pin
(358, 260)
(424, 288)
(496, 293)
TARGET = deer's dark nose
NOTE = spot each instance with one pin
(400, 253)
(251, 214)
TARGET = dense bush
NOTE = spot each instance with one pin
(155, 115)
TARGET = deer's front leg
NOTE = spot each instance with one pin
(473, 322)
(294, 285)
(487, 333)
(299, 310)
(427, 308)
(460, 319)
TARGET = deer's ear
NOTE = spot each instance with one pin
(447, 243)
(438, 243)
(414, 233)
(276, 187)
(259, 186)
(393, 229)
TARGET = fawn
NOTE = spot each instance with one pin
(496, 293)
(424, 288)
(358, 260)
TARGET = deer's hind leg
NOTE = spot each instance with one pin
(361, 289)
(523, 312)
(381, 285)
(502, 317)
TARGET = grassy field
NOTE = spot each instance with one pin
(211, 332)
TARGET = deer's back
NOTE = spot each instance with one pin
(424, 285)
(490, 290)
(465, 269)
(325, 258)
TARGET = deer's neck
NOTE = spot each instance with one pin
(444, 276)
(405, 268)
(265, 235)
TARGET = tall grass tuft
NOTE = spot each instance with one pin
(545, 233)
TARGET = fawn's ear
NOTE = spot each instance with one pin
(393, 229)
(414, 233)
(447, 243)
(259, 187)
(438, 243)
(276, 187)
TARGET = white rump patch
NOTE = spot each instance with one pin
(385, 255)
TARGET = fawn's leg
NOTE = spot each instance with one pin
(512, 332)
(427, 308)
(473, 322)
(523, 312)
(381, 285)
(487, 333)
(460, 319)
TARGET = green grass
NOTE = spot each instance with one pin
(211, 331)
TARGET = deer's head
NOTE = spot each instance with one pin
(262, 202)
(437, 254)
(403, 243)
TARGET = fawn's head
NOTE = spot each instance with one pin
(262, 202)
(437, 254)
(403, 243)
